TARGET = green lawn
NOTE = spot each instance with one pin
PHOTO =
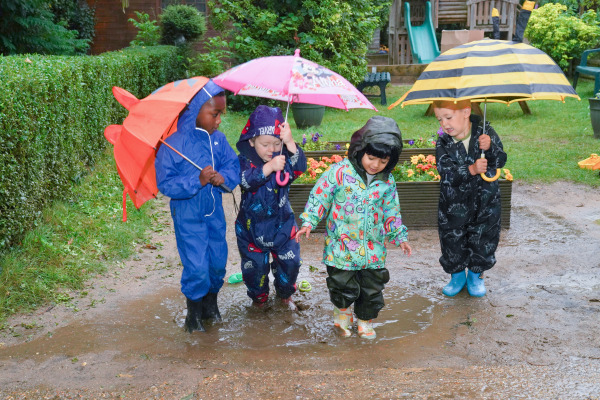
(542, 147)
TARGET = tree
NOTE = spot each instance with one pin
(333, 33)
(27, 26)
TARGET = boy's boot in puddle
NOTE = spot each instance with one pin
(210, 309)
(365, 329)
(457, 283)
(193, 319)
(475, 284)
(343, 319)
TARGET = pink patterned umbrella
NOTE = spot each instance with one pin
(292, 79)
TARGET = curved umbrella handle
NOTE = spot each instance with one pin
(280, 181)
(493, 178)
(487, 178)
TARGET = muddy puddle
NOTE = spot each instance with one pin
(153, 325)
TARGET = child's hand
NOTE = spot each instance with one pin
(217, 179)
(285, 134)
(480, 167)
(206, 175)
(485, 142)
(406, 248)
(277, 163)
(305, 230)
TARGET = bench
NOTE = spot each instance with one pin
(380, 79)
(585, 69)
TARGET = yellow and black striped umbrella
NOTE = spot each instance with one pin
(490, 71)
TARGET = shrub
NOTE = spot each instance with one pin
(211, 63)
(181, 21)
(28, 27)
(332, 33)
(148, 30)
(562, 34)
(53, 110)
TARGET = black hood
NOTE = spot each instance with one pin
(378, 129)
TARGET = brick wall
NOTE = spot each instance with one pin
(113, 31)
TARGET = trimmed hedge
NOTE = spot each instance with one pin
(53, 111)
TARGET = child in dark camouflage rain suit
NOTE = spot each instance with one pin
(469, 207)
(266, 225)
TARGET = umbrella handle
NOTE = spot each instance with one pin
(280, 181)
(487, 178)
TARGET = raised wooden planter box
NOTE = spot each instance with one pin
(407, 152)
(418, 203)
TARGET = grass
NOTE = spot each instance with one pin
(84, 236)
(75, 239)
(542, 147)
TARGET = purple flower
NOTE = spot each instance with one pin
(411, 142)
(338, 147)
(440, 132)
(303, 139)
(315, 138)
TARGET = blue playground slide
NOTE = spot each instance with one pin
(423, 44)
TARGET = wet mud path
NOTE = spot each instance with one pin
(534, 335)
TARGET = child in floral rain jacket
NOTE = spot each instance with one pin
(358, 197)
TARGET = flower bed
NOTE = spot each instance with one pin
(418, 190)
(314, 147)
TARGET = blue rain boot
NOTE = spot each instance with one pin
(457, 283)
(475, 284)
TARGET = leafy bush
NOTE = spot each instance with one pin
(53, 111)
(28, 27)
(333, 33)
(148, 30)
(211, 63)
(181, 21)
(562, 34)
(76, 16)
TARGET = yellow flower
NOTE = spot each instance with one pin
(318, 170)
(410, 173)
(347, 145)
(414, 159)
(509, 177)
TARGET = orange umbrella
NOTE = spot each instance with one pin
(150, 121)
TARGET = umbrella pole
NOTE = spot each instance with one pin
(223, 186)
(484, 176)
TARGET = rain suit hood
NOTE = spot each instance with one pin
(263, 121)
(187, 119)
(378, 129)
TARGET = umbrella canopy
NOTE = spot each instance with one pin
(292, 79)
(490, 71)
(150, 120)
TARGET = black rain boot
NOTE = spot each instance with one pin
(210, 308)
(193, 319)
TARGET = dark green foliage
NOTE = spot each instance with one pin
(53, 111)
(148, 30)
(27, 26)
(333, 33)
(179, 21)
(75, 15)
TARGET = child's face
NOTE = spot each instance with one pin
(454, 121)
(374, 165)
(265, 146)
(209, 117)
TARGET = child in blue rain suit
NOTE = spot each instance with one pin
(266, 224)
(196, 204)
